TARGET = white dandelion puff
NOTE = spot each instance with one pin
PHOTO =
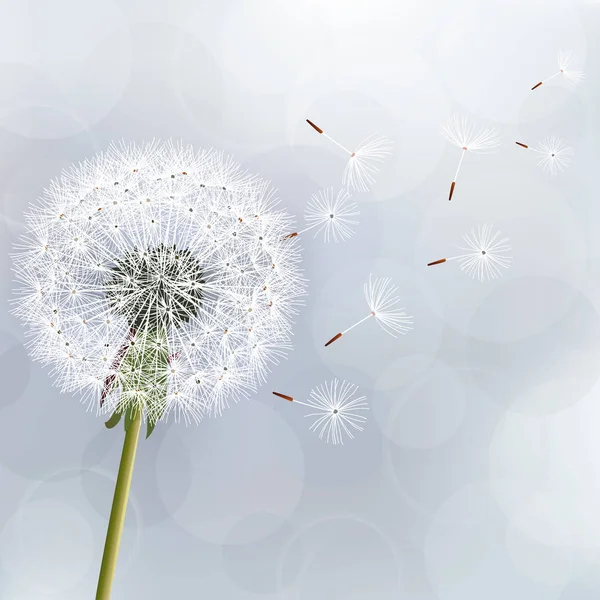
(383, 304)
(486, 254)
(154, 280)
(362, 163)
(331, 215)
(339, 412)
(468, 137)
(568, 66)
(554, 154)
(150, 244)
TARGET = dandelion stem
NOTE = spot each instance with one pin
(337, 336)
(338, 144)
(296, 233)
(308, 228)
(119, 507)
(537, 85)
(552, 77)
(462, 156)
(319, 130)
(359, 322)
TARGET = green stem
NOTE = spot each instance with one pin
(119, 507)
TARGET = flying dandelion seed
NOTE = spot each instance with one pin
(339, 413)
(154, 281)
(381, 298)
(466, 136)
(568, 67)
(485, 254)
(555, 155)
(362, 164)
(331, 215)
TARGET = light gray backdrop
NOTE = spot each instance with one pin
(478, 473)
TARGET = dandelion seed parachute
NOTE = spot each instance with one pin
(381, 298)
(158, 259)
(485, 255)
(360, 170)
(554, 154)
(568, 67)
(339, 413)
(466, 136)
(331, 215)
(359, 174)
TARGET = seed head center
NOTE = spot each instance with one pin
(157, 288)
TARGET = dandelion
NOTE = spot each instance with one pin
(568, 67)
(155, 282)
(381, 298)
(465, 135)
(554, 153)
(331, 215)
(362, 164)
(485, 254)
(338, 410)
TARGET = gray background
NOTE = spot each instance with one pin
(478, 473)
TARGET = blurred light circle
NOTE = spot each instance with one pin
(544, 476)
(426, 413)
(47, 546)
(248, 461)
(45, 77)
(343, 557)
(464, 550)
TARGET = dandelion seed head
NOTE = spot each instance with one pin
(155, 276)
(332, 214)
(339, 411)
(381, 296)
(467, 136)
